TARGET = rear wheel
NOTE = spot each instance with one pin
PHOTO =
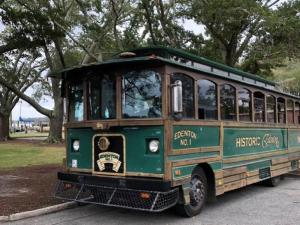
(198, 195)
(272, 182)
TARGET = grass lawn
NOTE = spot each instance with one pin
(31, 134)
(14, 155)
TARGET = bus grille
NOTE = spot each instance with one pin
(294, 164)
(264, 173)
(123, 198)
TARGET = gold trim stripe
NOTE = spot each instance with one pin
(195, 150)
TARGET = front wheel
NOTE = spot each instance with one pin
(198, 195)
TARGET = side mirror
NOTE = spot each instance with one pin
(177, 97)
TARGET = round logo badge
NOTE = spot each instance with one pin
(103, 143)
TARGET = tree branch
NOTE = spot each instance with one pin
(146, 7)
(26, 98)
(75, 41)
(60, 53)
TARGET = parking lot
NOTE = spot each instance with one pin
(255, 204)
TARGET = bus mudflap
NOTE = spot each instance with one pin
(154, 201)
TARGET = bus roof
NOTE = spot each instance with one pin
(181, 58)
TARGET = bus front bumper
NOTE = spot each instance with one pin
(139, 194)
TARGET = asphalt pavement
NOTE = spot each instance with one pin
(255, 205)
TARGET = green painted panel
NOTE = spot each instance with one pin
(138, 157)
(84, 155)
(185, 171)
(245, 141)
(258, 165)
(294, 138)
(216, 165)
(195, 136)
(248, 162)
(197, 155)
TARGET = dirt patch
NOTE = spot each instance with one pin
(27, 188)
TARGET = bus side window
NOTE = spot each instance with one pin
(187, 94)
(207, 101)
(271, 109)
(259, 107)
(297, 112)
(244, 105)
(281, 110)
(228, 102)
(290, 111)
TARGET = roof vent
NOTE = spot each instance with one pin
(127, 54)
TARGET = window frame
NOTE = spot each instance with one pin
(297, 116)
(264, 107)
(293, 111)
(284, 111)
(234, 98)
(68, 102)
(250, 104)
(275, 108)
(87, 86)
(198, 87)
(194, 104)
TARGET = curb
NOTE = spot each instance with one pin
(38, 212)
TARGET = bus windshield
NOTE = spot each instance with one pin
(142, 97)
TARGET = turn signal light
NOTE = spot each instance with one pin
(145, 195)
(68, 186)
(177, 172)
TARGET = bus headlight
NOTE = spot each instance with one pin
(76, 145)
(153, 146)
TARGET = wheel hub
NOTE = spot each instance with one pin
(197, 191)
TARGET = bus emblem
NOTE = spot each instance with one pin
(109, 157)
(103, 143)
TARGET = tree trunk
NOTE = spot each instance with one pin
(56, 123)
(56, 119)
(229, 61)
(4, 127)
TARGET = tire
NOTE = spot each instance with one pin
(272, 182)
(198, 195)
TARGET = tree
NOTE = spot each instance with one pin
(33, 21)
(230, 23)
(23, 71)
(278, 42)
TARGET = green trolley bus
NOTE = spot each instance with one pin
(157, 127)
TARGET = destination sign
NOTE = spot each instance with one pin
(266, 141)
(185, 137)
